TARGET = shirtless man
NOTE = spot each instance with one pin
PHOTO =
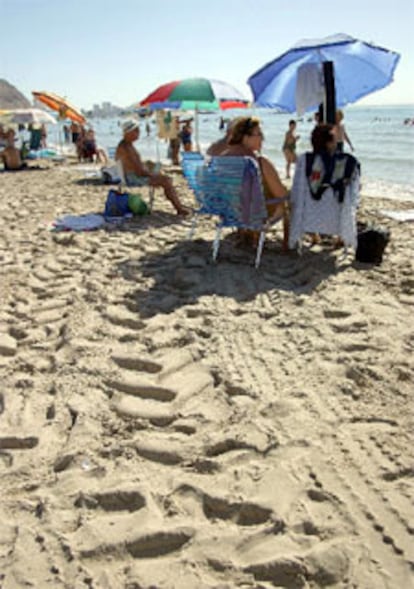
(137, 174)
(341, 134)
(10, 156)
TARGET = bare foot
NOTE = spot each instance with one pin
(184, 212)
(337, 243)
(315, 239)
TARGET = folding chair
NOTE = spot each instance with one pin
(123, 180)
(328, 213)
(230, 188)
(191, 163)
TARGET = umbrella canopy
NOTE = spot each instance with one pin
(196, 93)
(60, 105)
(296, 78)
(24, 116)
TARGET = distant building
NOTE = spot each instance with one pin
(107, 109)
(104, 110)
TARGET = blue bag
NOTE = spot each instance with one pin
(116, 204)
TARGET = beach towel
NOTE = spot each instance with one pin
(110, 174)
(87, 222)
(326, 215)
(324, 170)
(309, 87)
(253, 210)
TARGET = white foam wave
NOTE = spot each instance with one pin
(381, 189)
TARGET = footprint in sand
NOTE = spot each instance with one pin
(155, 389)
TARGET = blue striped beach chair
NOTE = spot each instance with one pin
(230, 189)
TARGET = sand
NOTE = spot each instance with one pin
(170, 423)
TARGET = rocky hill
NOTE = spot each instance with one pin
(10, 97)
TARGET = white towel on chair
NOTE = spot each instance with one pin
(327, 215)
(309, 87)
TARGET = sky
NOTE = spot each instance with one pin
(91, 51)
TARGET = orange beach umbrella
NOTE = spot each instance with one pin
(65, 109)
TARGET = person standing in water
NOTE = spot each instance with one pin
(289, 146)
(341, 134)
(186, 136)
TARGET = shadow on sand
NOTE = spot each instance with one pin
(185, 273)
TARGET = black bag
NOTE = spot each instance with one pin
(372, 242)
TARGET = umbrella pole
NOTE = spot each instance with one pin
(196, 129)
(157, 139)
(157, 149)
(329, 107)
(60, 137)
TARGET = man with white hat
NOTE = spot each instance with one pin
(137, 174)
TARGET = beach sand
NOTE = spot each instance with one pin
(170, 423)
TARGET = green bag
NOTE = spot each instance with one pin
(137, 205)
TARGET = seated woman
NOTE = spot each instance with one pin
(90, 151)
(246, 138)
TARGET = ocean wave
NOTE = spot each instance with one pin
(381, 189)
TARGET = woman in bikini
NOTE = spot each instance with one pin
(289, 146)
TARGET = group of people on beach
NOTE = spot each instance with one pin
(181, 136)
(87, 149)
(244, 137)
(13, 157)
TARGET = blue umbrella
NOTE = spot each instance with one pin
(297, 80)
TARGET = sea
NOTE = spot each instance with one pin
(382, 138)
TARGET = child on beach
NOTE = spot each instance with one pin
(289, 146)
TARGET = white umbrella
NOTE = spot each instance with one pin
(26, 116)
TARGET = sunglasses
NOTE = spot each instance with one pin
(249, 125)
(259, 134)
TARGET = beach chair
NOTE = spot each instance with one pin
(322, 206)
(111, 153)
(191, 163)
(230, 189)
